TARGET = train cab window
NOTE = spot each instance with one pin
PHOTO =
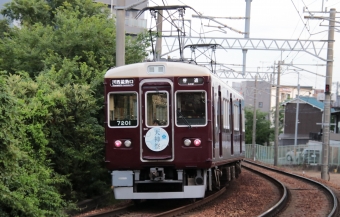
(191, 108)
(157, 108)
(123, 109)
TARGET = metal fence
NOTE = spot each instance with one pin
(294, 155)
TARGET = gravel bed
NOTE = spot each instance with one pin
(305, 199)
(249, 195)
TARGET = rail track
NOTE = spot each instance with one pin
(144, 208)
(189, 209)
(275, 209)
(304, 196)
(298, 195)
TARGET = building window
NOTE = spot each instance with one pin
(260, 104)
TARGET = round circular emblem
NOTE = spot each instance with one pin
(157, 139)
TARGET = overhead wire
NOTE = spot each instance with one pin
(334, 4)
(200, 33)
(304, 27)
(310, 34)
(170, 16)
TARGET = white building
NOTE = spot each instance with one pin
(133, 26)
(290, 92)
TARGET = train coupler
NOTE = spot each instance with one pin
(157, 174)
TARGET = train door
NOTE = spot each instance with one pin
(156, 120)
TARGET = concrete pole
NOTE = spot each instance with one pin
(246, 35)
(270, 98)
(120, 34)
(297, 117)
(254, 121)
(337, 94)
(276, 145)
(159, 38)
(327, 103)
(111, 9)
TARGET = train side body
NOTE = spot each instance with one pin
(169, 127)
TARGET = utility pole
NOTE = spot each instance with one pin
(270, 97)
(297, 117)
(254, 121)
(276, 145)
(120, 33)
(327, 103)
(159, 35)
(246, 33)
(337, 94)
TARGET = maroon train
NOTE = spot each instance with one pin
(174, 130)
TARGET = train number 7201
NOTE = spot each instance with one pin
(124, 123)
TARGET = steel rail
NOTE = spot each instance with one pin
(192, 206)
(330, 193)
(272, 211)
(113, 212)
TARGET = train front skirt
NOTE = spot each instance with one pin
(125, 187)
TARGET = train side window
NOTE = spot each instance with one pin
(122, 109)
(217, 111)
(226, 123)
(191, 108)
(243, 121)
(236, 117)
(157, 108)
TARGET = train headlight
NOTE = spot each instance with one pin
(187, 142)
(127, 143)
(118, 143)
(197, 142)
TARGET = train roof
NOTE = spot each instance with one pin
(171, 69)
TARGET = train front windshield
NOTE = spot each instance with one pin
(123, 109)
(191, 108)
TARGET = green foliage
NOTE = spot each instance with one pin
(281, 117)
(136, 48)
(27, 11)
(264, 131)
(28, 186)
(30, 12)
(4, 28)
(74, 134)
(51, 97)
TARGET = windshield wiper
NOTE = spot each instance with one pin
(180, 115)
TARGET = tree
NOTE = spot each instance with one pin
(78, 30)
(264, 132)
(28, 186)
(53, 68)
